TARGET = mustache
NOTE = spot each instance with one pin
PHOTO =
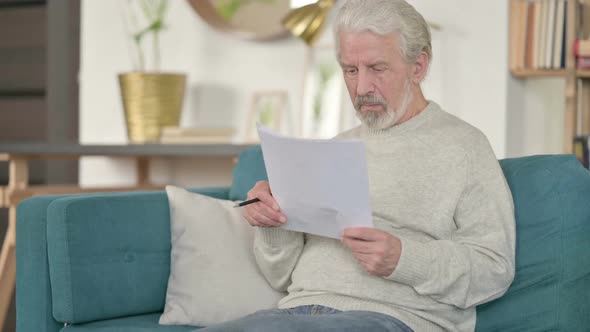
(363, 100)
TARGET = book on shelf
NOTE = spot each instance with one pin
(197, 131)
(517, 37)
(197, 135)
(559, 41)
(583, 63)
(543, 26)
(550, 37)
(582, 48)
(196, 140)
(537, 34)
(527, 34)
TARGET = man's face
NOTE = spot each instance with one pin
(377, 77)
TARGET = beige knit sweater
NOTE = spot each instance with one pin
(436, 184)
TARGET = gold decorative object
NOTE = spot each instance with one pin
(151, 101)
(306, 22)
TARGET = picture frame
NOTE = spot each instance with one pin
(267, 108)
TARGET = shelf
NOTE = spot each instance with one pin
(10, 4)
(24, 93)
(75, 150)
(525, 73)
(532, 73)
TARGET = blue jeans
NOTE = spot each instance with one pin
(311, 318)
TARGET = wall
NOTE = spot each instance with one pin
(535, 116)
(468, 78)
(469, 75)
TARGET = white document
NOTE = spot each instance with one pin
(322, 186)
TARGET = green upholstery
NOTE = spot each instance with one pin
(115, 246)
(75, 282)
(33, 290)
(551, 289)
(101, 261)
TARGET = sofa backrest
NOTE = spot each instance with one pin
(109, 255)
(551, 288)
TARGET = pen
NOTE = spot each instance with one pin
(250, 201)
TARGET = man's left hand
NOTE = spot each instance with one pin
(377, 251)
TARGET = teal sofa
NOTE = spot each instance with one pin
(100, 262)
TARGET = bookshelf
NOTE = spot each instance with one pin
(536, 50)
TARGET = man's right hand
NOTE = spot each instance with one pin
(265, 213)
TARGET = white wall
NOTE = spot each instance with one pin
(469, 75)
(468, 78)
(535, 118)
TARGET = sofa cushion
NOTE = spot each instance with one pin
(249, 170)
(109, 254)
(213, 272)
(550, 289)
(142, 323)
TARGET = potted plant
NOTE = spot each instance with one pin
(151, 99)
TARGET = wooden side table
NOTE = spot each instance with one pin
(18, 188)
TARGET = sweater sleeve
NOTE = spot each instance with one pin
(477, 264)
(277, 251)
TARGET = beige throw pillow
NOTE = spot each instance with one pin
(213, 273)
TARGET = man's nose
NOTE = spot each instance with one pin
(365, 84)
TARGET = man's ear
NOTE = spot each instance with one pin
(420, 68)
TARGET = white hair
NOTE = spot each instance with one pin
(384, 17)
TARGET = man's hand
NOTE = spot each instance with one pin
(266, 212)
(376, 250)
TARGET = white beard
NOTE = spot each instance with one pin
(382, 120)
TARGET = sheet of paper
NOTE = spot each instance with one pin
(322, 186)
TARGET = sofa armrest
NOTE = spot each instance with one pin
(33, 291)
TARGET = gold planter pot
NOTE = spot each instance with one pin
(151, 101)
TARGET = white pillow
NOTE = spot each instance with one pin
(213, 273)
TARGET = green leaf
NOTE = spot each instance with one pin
(147, 10)
(154, 12)
(228, 8)
(162, 8)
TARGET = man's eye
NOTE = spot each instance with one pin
(378, 69)
(350, 71)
